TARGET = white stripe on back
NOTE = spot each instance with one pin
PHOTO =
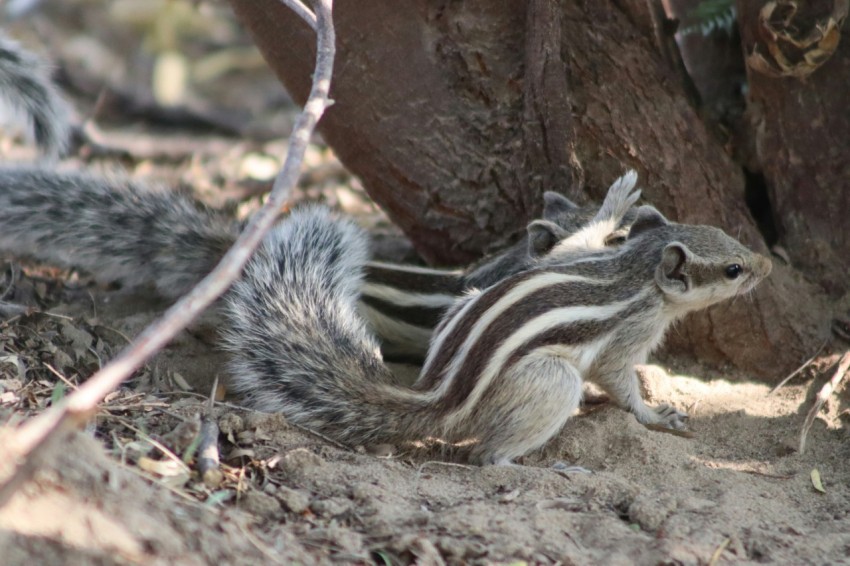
(546, 321)
(518, 293)
(414, 338)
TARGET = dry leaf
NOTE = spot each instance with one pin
(181, 382)
(170, 78)
(786, 49)
(164, 468)
(816, 481)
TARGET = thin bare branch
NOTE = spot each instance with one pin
(303, 12)
(208, 453)
(36, 436)
(799, 369)
(823, 395)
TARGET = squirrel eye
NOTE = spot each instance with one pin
(733, 271)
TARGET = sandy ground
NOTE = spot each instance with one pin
(738, 492)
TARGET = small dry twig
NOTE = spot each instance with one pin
(165, 450)
(799, 369)
(208, 453)
(304, 13)
(36, 436)
(58, 374)
(823, 395)
(715, 557)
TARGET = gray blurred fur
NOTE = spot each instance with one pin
(116, 229)
(26, 86)
(298, 344)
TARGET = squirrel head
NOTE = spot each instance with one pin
(697, 266)
(562, 218)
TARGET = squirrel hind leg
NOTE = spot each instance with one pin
(529, 405)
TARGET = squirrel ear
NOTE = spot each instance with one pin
(648, 218)
(543, 236)
(554, 204)
(672, 273)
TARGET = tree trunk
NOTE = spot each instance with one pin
(457, 115)
(801, 128)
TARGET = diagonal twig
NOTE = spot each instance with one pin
(303, 12)
(208, 453)
(823, 395)
(36, 436)
(799, 369)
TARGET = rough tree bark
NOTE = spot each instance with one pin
(457, 115)
(801, 128)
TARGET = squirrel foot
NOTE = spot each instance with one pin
(670, 417)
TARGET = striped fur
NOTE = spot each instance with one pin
(26, 87)
(506, 365)
(142, 234)
(403, 305)
(601, 314)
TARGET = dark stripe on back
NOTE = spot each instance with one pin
(424, 317)
(448, 283)
(570, 334)
(400, 358)
(455, 338)
(538, 303)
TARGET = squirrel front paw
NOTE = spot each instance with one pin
(661, 416)
(670, 417)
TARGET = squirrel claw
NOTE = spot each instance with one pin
(671, 417)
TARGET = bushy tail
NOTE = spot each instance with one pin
(116, 229)
(596, 233)
(619, 200)
(25, 85)
(298, 344)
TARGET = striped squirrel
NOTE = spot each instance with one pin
(403, 304)
(26, 88)
(506, 364)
